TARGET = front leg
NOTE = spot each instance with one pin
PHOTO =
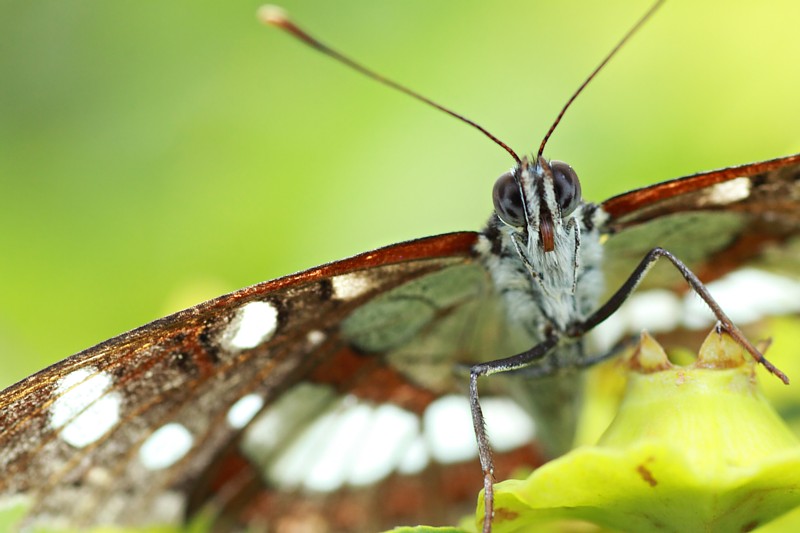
(478, 422)
(636, 277)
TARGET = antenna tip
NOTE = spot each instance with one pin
(273, 15)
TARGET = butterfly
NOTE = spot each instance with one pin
(185, 412)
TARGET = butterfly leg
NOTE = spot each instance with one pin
(543, 371)
(520, 363)
(638, 274)
(484, 450)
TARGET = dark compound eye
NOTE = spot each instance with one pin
(508, 200)
(567, 187)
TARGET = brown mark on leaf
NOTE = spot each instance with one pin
(504, 514)
(646, 475)
(750, 526)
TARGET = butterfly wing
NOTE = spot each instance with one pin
(147, 427)
(713, 221)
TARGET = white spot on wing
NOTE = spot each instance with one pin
(282, 421)
(746, 295)
(253, 324)
(351, 442)
(354, 444)
(449, 432)
(83, 409)
(349, 286)
(381, 447)
(166, 446)
(169, 506)
(415, 457)
(727, 192)
(336, 453)
(315, 337)
(99, 477)
(507, 424)
(296, 464)
(343, 442)
(653, 310)
(242, 412)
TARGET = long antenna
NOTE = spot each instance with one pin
(275, 16)
(594, 73)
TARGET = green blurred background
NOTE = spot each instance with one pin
(156, 154)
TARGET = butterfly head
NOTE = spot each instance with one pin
(538, 200)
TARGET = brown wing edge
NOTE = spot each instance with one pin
(457, 244)
(623, 204)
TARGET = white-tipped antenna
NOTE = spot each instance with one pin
(597, 69)
(276, 16)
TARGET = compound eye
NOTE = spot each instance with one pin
(567, 187)
(508, 200)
